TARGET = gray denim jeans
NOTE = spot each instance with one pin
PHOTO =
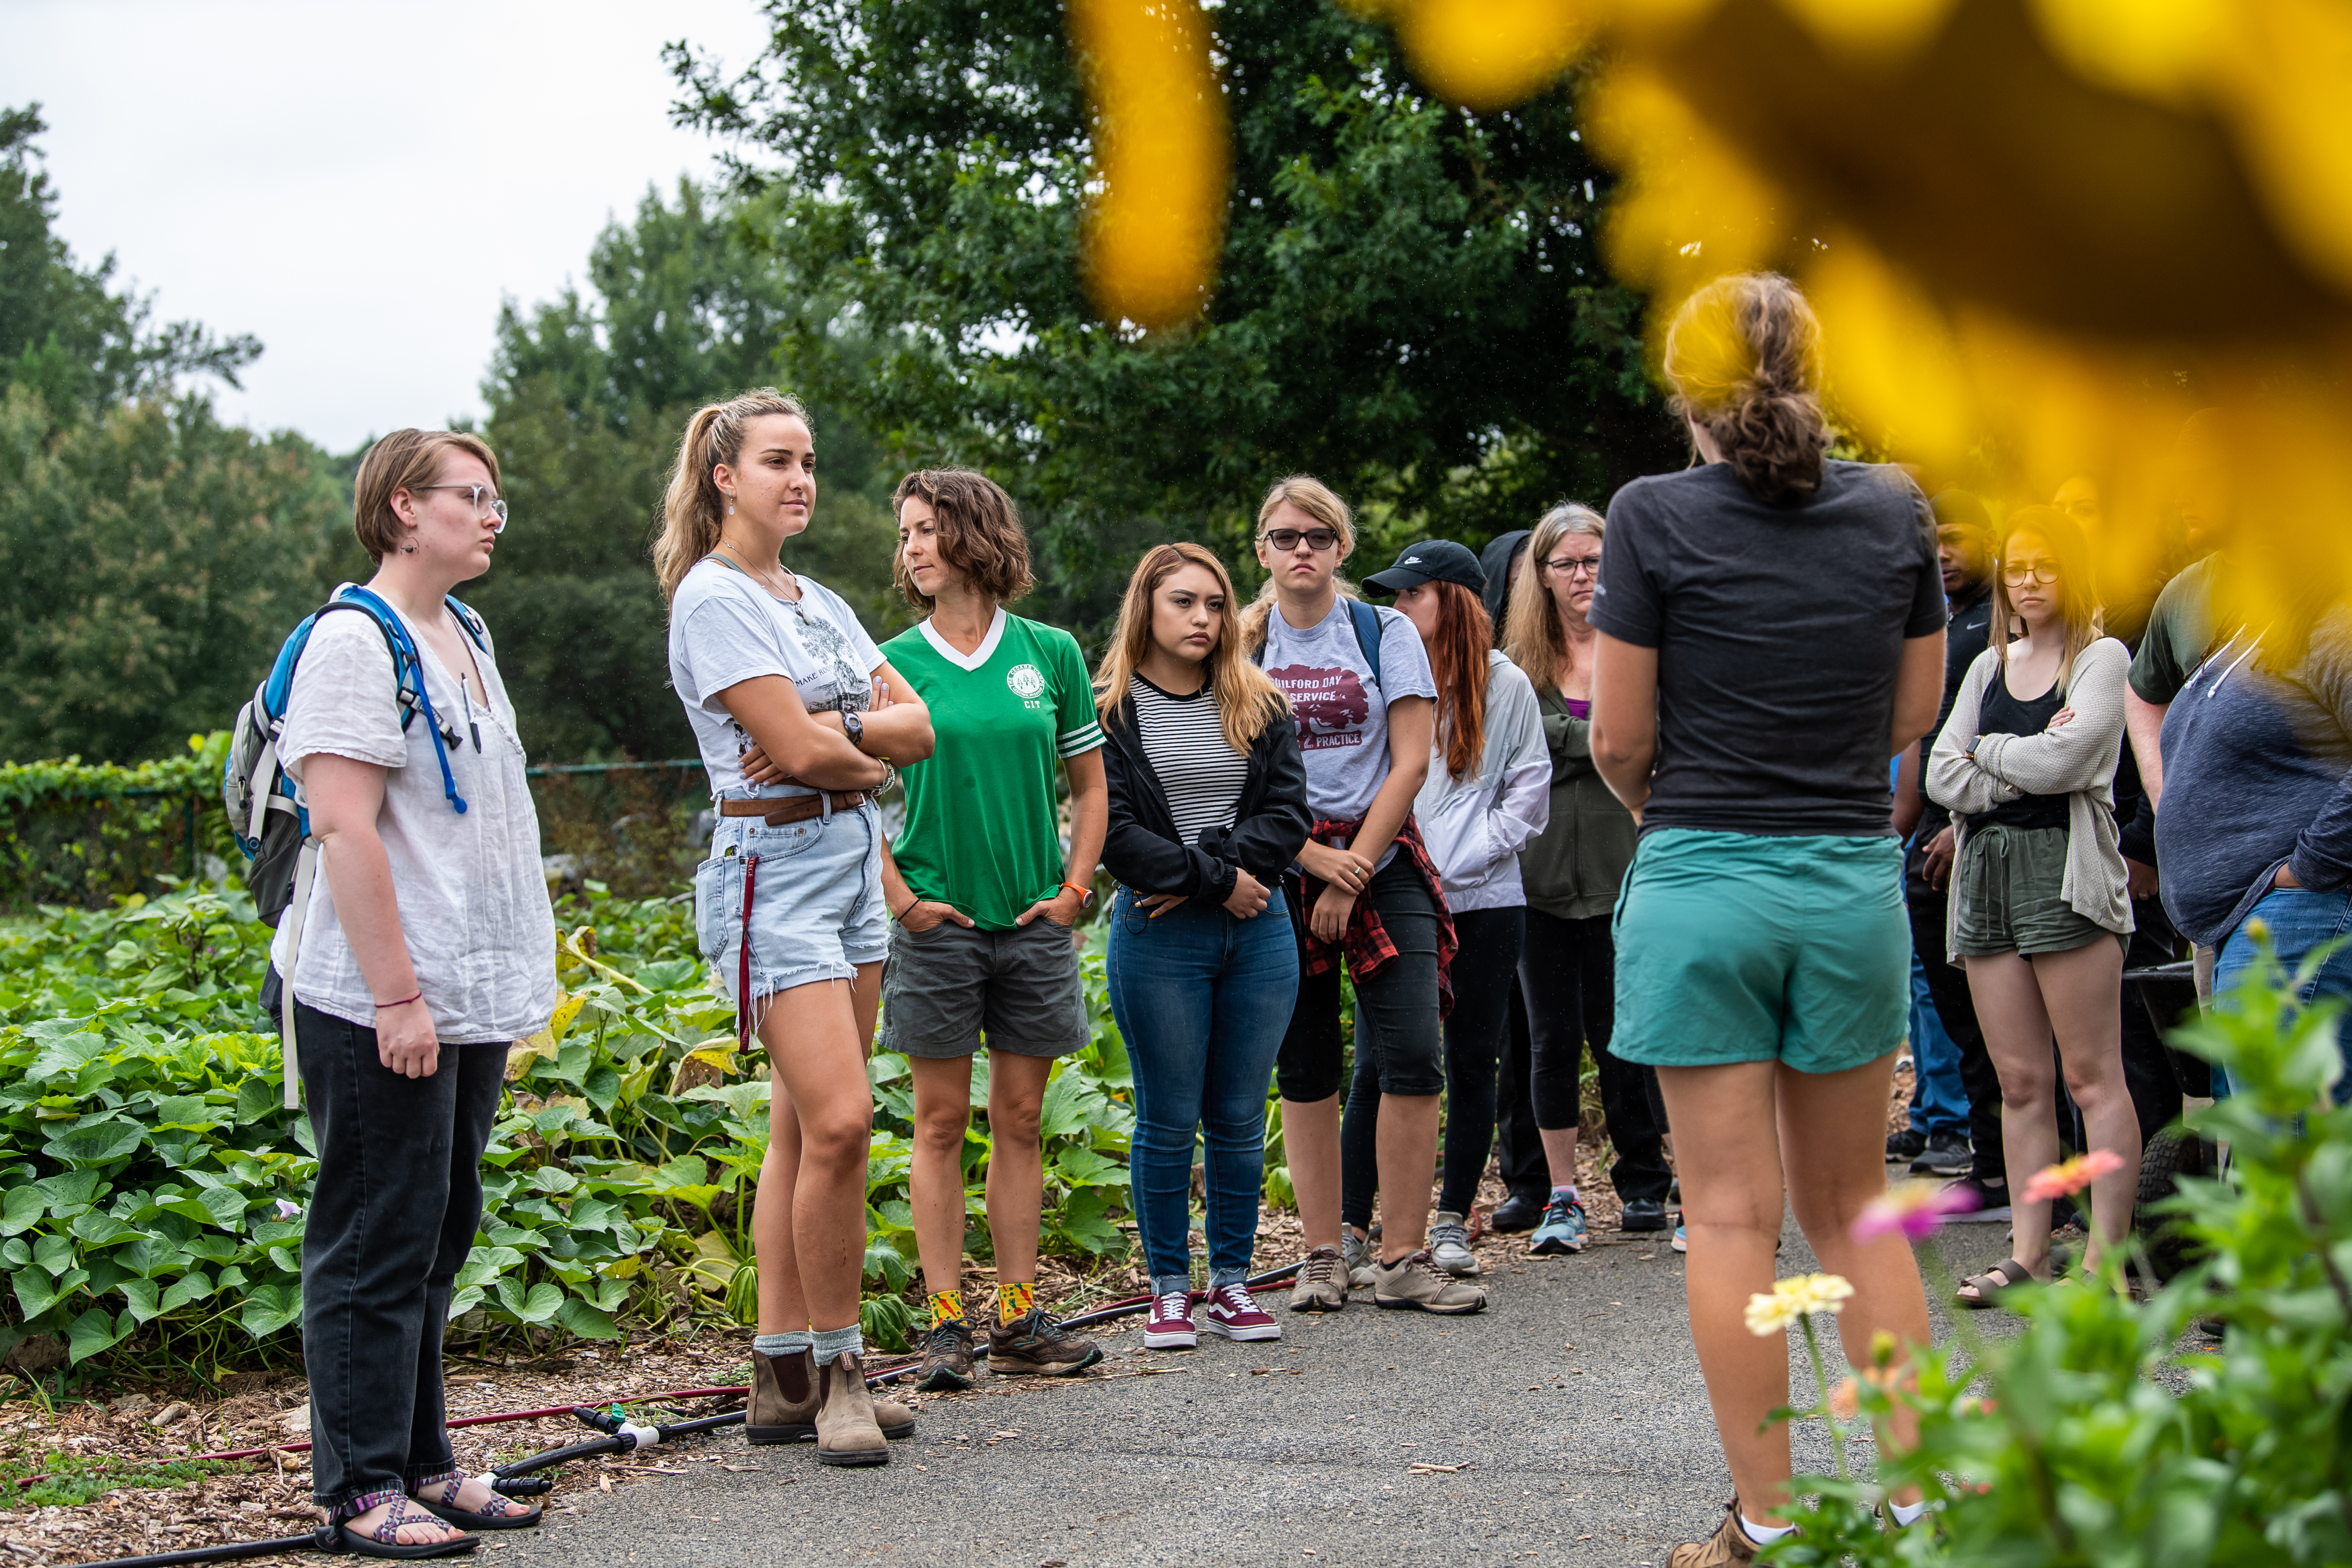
(392, 1217)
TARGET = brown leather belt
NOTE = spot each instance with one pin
(790, 808)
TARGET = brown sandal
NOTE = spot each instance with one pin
(1994, 1283)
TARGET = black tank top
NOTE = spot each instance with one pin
(2003, 714)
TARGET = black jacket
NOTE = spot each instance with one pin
(1270, 823)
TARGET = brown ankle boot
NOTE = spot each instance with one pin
(784, 1402)
(1729, 1547)
(847, 1431)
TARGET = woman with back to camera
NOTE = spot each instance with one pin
(1208, 805)
(1771, 631)
(1364, 891)
(796, 712)
(985, 894)
(2041, 901)
(1486, 794)
(1573, 870)
(426, 948)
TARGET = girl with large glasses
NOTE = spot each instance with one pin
(1208, 804)
(2040, 902)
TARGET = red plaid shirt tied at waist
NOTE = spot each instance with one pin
(1366, 943)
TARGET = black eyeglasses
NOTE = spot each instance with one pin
(1569, 566)
(1289, 537)
(490, 507)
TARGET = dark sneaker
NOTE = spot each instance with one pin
(947, 1359)
(1322, 1282)
(1946, 1154)
(1643, 1214)
(1171, 1326)
(1518, 1213)
(1415, 1283)
(1563, 1230)
(1992, 1203)
(1904, 1145)
(1036, 1345)
(1234, 1314)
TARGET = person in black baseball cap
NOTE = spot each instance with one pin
(1431, 561)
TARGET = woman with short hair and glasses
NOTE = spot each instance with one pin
(2041, 901)
(1364, 890)
(424, 948)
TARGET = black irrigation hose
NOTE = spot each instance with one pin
(518, 1479)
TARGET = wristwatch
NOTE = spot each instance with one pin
(1086, 895)
(855, 728)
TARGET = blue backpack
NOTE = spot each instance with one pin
(266, 818)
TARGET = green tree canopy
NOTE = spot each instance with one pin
(1410, 302)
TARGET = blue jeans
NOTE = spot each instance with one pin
(1202, 1000)
(2300, 920)
(1940, 1101)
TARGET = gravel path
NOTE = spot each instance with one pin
(1570, 1414)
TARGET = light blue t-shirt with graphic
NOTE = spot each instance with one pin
(1341, 713)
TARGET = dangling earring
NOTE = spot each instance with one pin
(408, 550)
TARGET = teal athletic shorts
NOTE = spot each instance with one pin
(1739, 947)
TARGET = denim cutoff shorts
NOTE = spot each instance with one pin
(815, 894)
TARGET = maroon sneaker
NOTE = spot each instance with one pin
(1171, 1327)
(1233, 1313)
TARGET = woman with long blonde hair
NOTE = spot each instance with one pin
(1208, 805)
(799, 718)
(1572, 872)
(2040, 902)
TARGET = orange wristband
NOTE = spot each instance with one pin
(1086, 895)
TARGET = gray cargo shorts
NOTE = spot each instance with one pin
(944, 988)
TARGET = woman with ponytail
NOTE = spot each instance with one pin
(799, 719)
(1486, 795)
(1771, 632)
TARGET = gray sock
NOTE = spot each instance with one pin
(790, 1343)
(832, 1344)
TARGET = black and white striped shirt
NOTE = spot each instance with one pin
(1185, 738)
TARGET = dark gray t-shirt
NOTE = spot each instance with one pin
(1778, 631)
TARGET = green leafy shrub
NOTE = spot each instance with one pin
(2101, 1434)
(152, 1188)
(87, 833)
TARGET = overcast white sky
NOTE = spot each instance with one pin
(356, 184)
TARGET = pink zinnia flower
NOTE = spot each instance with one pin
(2067, 1177)
(1912, 1209)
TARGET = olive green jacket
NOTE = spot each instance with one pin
(1572, 869)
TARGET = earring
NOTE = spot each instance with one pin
(408, 550)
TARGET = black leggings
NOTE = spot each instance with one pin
(1396, 1013)
(1568, 971)
(1486, 972)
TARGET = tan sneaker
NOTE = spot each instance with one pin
(847, 1431)
(1729, 1547)
(1322, 1282)
(1413, 1282)
(784, 1402)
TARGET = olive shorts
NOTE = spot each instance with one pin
(1742, 947)
(2009, 895)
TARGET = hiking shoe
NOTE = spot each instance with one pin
(1518, 1213)
(1904, 1145)
(1946, 1154)
(1681, 1242)
(1358, 1253)
(1562, 1230)
(947, 1358)
(1170, 1327)
(1449, 1245)
(1322, 1282)
(1413, 1282)
(1234, 1314)
(1034, 1344)
(1729, 1547)
(1643, 1214)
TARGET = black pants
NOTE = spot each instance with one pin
(1567, 970)
(1519, 1152)
(1486, 972)
(392, 1217)
(1947, 986)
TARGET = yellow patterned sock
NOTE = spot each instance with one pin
(1014, 1302)
(947, 1306)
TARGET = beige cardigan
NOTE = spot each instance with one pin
(2077, 760)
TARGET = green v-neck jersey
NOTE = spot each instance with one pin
(980, 832)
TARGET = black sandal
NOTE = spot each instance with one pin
(503, 1512)
(1993, 1284)
(384, 1541)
